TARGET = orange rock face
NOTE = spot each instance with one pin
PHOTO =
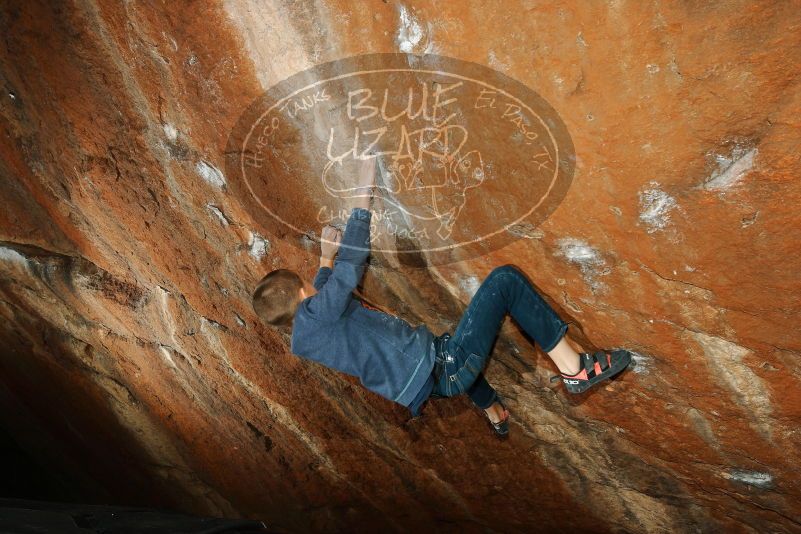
(133, 365)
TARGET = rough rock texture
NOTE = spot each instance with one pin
(132, 362)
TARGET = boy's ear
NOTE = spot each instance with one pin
(307, 290)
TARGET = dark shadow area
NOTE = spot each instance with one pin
(24, 477)
(23, 516)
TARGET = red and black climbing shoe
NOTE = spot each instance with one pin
(595, 368)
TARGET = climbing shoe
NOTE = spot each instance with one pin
(501, 428)
(595, 368)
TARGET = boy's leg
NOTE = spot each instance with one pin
(505, 291)
(481, 393)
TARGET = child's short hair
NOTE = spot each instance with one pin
(277, 296)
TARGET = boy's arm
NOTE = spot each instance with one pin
(336, 279)
(326, 266)
(335, 286)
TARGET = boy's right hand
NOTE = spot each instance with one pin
(330, 238)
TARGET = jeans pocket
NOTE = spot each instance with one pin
(465, 374)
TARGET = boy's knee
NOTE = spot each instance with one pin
(505, 269)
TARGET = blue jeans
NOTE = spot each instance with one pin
(461, 358)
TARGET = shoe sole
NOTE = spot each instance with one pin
(499, 433)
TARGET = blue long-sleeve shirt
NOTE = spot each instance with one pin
(389, 356)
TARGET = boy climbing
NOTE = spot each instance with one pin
(406, 364)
